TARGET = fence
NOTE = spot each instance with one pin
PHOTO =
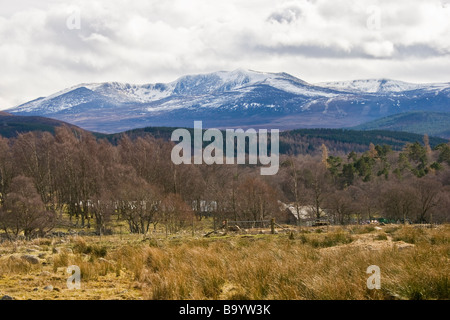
(251, 224)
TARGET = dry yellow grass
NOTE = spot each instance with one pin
(414, 264)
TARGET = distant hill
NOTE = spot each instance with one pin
(299, 141)
(420, 122)
(309, 141)
(11, 125)
(342, 140)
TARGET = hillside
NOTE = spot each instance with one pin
(11, 125)
(340, 140)
(431, 123)
(308, 141)
(298, 141)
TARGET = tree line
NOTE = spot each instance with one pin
(73, 177)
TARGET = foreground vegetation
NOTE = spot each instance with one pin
(307, 263)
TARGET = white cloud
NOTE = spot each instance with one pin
(158, 41)
(379, 49)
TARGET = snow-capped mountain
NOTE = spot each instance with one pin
(240, 98)
(380, 86)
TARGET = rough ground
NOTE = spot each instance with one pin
(37, 269)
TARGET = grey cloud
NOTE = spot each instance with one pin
(286, 15)
(419, 50)
(357, 52)
(312, 51)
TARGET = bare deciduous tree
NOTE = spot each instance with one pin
(24, 210)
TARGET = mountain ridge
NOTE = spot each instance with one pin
(239, 98)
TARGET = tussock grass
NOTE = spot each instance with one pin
(96, 250)
(410, 235)
(413, 235)
(327, 266)
(362, 229)
(42, 242)
(328, 240)
(381, 236)
(15, 265)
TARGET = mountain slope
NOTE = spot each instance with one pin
(240, 98)
(304, 141)
(11, 125)
(382, 86)
(431, 123)
(308, 141)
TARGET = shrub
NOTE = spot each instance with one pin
(93, 249)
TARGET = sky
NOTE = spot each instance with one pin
(49, 45)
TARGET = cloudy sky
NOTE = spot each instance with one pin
(48, 45)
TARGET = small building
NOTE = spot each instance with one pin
(204, 207)
(300, 215)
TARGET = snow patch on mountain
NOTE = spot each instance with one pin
(202, 90)
(380, 86)
(239, 97)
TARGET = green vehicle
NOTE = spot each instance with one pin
(383, 220)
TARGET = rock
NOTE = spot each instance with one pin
(41, 255)
(234, 228)
(13, 258)
(405, 246)
(56, 250)
(106, 261)
(6, 297)
(378, 228)
(48, 288)
(31, 259)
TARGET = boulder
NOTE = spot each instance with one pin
(56, 250)
(31, 259)
(106, 261)
(405, 246)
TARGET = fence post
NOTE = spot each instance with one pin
(272, 225)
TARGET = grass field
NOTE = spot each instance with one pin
(311, 263)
